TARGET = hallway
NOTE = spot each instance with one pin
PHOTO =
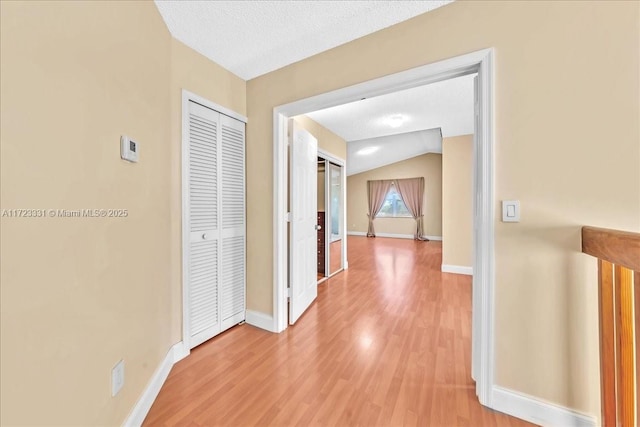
(387, 342)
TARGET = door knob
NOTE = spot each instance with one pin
(204, 236)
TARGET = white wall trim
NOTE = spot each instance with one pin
(151, 391)
(180, 351)
(259, 320)
(212, 105)
(393, 235)
(480, 62)
(328, 156)
(343, 163)
(538, 411)
(483, 329)
(280, 220)
(184, 218)
(457, 269)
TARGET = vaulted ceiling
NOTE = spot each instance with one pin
(400, 125)
(447, 105)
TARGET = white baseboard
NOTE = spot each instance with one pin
(538, 411)
(392, 235)
(260, 320)
(180, 351)
(143, 405)
(457, 269)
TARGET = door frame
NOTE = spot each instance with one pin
(325, 185)
(343, 164)
(185, 218)
(481, 62)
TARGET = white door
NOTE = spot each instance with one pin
(214, 223)
(203, 208)
(233, 259)
(303, 204)
(475, 291)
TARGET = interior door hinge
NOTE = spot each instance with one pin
(288, 292)
(287, 217)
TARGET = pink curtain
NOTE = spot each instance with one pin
(377, 191)
(412, 193)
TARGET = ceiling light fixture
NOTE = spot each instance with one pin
(367, 150)
(396, 120)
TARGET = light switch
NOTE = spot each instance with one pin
(129, 149)
(510, 211)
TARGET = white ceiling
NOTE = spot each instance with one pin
(447, 105)
(251, 38)
(391, 149)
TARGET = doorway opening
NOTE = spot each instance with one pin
(480, 62)
(332, 244)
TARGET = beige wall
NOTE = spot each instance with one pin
(196, 74)
(566, 139)
(321, 192)
(327, 140)
(428, 166)
(457, 201)
(259, 291)
(79, 294)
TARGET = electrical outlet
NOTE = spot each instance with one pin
(117, 378)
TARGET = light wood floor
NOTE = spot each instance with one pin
(386, 343)
(335, 254)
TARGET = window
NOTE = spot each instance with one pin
(393, 206)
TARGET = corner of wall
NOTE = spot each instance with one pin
(139, 412)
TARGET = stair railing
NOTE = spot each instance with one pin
(618, 254)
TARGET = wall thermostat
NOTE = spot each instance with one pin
(129, 149)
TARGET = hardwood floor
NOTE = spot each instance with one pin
(386, 343)
(335, 254)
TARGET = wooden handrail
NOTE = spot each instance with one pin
(618, 254)
(617, 247)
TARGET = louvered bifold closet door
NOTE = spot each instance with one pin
(233, 258)
(204, 223)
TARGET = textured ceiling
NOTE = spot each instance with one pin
(447, 105)
(251, 38)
